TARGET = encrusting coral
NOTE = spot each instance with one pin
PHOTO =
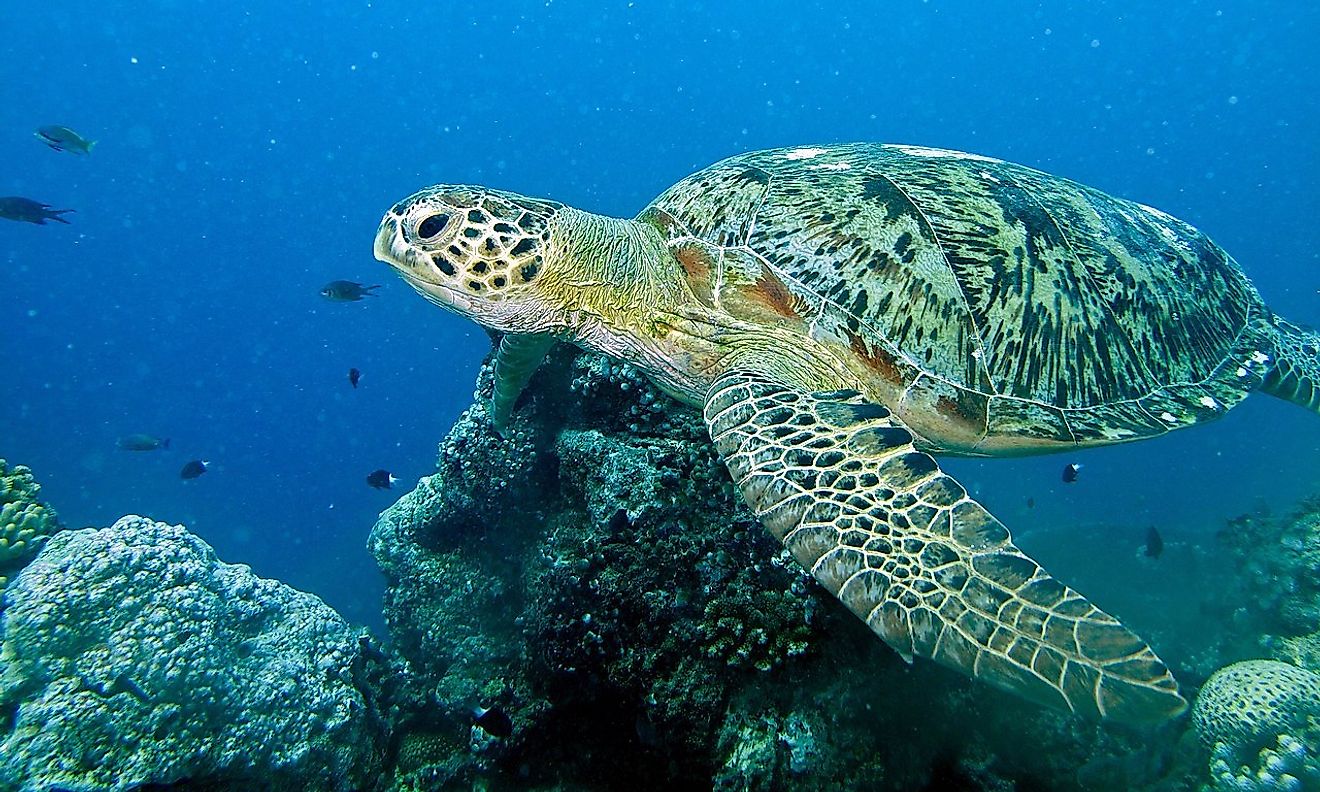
(591, 577)
(133, 657)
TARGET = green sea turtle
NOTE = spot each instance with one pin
(842, 313)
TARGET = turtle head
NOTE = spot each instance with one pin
(481, 253)
(526, 266)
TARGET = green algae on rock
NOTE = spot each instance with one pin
(132, 656)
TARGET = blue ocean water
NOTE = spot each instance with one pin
(247, 151)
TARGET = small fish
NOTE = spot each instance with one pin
(143, 442)
(381, 479)
(1154, 542)
(26, 210)
(193, 469)
(493, 721)
(1031, 503)
(1070, 472)
(346, 291)
(371, 649)
(122, 683)
(61, 138)
(620, 521)
(353, 376)
(125, 684)
(646, 730)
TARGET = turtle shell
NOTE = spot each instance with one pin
(1017, 303)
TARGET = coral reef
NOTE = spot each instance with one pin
(25, 522)
(1279, 597)
(1288, 765)
(1261, 721)
(593, 575)
(1258, 720)
(132, 656)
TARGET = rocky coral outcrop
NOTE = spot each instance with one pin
(25, 522)
(593, 575)
(132, 656)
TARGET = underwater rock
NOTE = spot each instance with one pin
(25, 522)
(593, 574)
(1272, 607)
(133, 656)
(1259, 720)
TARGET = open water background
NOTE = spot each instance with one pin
(247, 151)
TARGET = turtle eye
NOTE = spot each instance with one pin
(431, 227)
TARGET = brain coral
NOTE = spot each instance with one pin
(25, 523)
(1248, 705)
(132, 656)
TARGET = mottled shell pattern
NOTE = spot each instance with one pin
(1029, 310)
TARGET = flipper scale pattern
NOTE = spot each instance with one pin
(902, 545)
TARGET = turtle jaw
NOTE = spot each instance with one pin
(392, 249)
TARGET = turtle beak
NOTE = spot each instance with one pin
(390, 247)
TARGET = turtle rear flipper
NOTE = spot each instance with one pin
(1295, 375)
(838, 480)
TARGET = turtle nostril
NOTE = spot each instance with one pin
(431, 227)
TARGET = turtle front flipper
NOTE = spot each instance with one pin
(516, 360)
(838, 480)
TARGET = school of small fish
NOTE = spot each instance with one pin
(27, 210)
